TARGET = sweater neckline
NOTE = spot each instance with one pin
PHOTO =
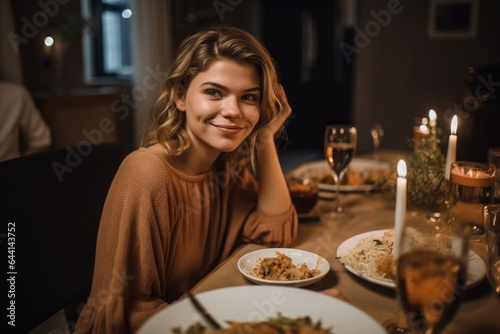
(182, 175)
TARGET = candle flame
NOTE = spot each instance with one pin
(423, 128)
(48, 41)
(432, 115)
(454, 125)
(401, 168)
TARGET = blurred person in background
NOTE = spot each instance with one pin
(22, 128)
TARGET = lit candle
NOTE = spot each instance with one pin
(472, 185)
(419, 133)
(432, 118)
(400, 213)
(47, 44)
(472, 176)
(423, 129)
(451, 155)
(432, 122)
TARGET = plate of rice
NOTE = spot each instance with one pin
(369, 256)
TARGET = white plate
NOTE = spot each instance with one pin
(248, 262)
(320, 168)
(257, 303)
(476, 268)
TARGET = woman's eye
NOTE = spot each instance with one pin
(212, 92)
(250, 97)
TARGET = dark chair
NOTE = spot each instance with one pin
(52, 201)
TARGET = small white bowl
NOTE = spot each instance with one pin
(247, 263)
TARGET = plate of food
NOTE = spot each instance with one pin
(369, 256)
(283, 266)
(361, 175)
(258, 305)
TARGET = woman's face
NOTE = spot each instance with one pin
(222, 105)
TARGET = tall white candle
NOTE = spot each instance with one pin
(432, 118)
(400, 212)
(432, 122)
(451, 155)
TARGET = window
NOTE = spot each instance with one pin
(108, 49)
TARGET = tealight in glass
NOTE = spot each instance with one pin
(472, 187)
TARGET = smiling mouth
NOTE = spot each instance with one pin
(228, 128)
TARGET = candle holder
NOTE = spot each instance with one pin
(420, 132)
(472, 187)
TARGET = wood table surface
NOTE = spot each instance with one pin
(479, 311)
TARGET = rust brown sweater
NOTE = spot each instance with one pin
(162, 231)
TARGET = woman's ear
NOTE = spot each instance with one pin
(180, 102)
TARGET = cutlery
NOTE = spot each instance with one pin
(204, 312)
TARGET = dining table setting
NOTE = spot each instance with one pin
(439, 275)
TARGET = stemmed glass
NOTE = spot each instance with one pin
(431, 271)
(377, 132)
(339, 146)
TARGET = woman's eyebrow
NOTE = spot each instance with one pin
(222, 87)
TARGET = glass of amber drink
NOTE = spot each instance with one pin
(431, 271)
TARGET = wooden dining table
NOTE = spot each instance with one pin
(479, 311)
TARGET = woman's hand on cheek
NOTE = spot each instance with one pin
(286, 111)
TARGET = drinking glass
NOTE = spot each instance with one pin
(494, 158)
(377, 132)
(472, 187)
(492, 231)
(303, 192)
(339, 146)
(431, 271)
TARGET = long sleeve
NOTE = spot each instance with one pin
(252, 225)
(129, 276)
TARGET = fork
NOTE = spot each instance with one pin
(206, 315)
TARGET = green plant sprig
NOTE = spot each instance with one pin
(427, 188)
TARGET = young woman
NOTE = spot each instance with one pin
(207, 179)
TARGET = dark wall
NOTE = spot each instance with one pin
(31, 20)
(403, 72)
(301, 35)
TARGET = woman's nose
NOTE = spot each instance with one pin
(231, 108)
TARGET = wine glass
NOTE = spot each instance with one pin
(431, 271)
(377, 132)
(339, 146)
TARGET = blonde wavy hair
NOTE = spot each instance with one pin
(193, 56)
